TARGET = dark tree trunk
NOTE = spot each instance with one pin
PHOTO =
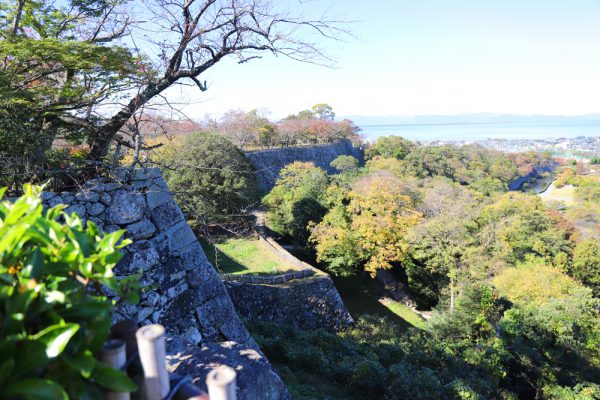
(100, 143)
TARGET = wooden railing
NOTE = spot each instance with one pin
(142, 354)
(268, 279)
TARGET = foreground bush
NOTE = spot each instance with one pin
(54, 319)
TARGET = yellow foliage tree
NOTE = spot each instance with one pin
(366, 225)
(534, 285)
(382, 213)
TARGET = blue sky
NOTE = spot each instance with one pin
(429, 57)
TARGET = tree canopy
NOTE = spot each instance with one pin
(86, 67)
(211, 178)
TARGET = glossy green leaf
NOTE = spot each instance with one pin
(31, 355)
(56, 338)
(112, 379)
(84, 363)
(36, 389)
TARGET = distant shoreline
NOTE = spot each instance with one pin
(477, 123)
(566, 135)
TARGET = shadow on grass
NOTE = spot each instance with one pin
(226, 264)
(361, 294)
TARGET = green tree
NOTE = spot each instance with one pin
(76, 59)
(555, 344)
(211, 178)
(22, 144)
(586, 264)
(344, 163)
(297, 199)
(439, 242)
(323, 111)
(390, 147)
(534, 284)
(517, 226)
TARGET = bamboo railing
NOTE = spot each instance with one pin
(142, 354)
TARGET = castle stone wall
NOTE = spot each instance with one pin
(181, 289)
(268, 163)
(309, 303)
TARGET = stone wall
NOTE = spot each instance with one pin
(182, 291)
(309, 303)
(180, 288)
(268, 163)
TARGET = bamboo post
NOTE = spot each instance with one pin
(126, 330)
(151, 347)
(221, 383)
(113, 354)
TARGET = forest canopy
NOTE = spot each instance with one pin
(510, 280)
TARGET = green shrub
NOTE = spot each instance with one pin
(210, 177)
(22, 144)
(297, 199)
(344, 163)
(53, 317)
(408, 382)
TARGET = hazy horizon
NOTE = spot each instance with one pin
(424, 58)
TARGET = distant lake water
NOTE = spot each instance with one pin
(483, 131)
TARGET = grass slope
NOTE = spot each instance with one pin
(244, 256)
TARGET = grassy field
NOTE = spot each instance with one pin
(564, 194)
(245, 257)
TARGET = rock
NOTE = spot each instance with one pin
(177, 290)
(144, 259)
(87, 196)
(111, 228)
(269, 163)
(54, 201)
(142, 174)
(193, 335)
(67, 197)
(309, 304)
(45, 196)
(143, 229)
(123, 267)
(144, 313)
(179, 281)
(94, 209)
(167, 214)
(156, 316)
(193, 257)
(149, 299)
(234, 330)
(105, 199)
(125, 208)
(76, 209)
(99, 223)
(213, 312)
(128, 310)
(256, 379)
(157, 196)
(175, 239)
(177, 275)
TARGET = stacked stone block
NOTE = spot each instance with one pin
(181, 289)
